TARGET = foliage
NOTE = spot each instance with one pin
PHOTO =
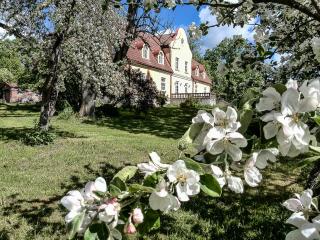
(107, 110)
(38, 137)
(6, 76)
(228, 64)
(141, 92)
(66, 111)
(189, 103)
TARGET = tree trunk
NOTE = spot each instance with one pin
(313, 181)
(88, 102)
(50, 89)
(121, 53)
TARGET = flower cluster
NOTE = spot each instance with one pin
(304, 208)
(219, 135)
(285, 115)
(116, 210)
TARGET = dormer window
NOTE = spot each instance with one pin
(161, 58)
(204, 75)
(145, 51)
(197, 71)
(182, 40)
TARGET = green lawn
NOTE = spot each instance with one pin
(34, 179)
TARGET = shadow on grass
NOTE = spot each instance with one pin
(38, 213)
(169, 122)
(29, 108)
(19, 133)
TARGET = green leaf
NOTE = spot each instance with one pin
(114, 190)
(115, 233)
(75, 225)
(246, 115)
(119, 183)
(151, 221)
(308, 160)
(97, 231)
(279, 87)
(193, 165)
(126, 173)
(251, 94)
(151, 180)
(189, 136)
(133, 188)
(315, 149)
(210, 185)
(316, 119)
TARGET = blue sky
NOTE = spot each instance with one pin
(183, 16)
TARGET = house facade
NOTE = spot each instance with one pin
(167, 59)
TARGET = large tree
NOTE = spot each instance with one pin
(233, 74)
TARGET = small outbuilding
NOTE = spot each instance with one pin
(9, 92)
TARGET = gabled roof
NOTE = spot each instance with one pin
(202, 70)
(156, 44)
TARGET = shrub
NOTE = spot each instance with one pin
(162, 100)
(66, 111)
(38, 137)
(107, 110)
(190, 103)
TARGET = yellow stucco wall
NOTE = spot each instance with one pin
(201, 88)
(156, 76)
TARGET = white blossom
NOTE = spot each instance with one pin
(235, 184)
(252, 174)
(162, 200)
(230, 143)
(262, 157)
(99, 185)
(301, 203)
(218, 174)
(74, 202)
(186, 180)
(225, 121)
(270, 100)
(152, 166)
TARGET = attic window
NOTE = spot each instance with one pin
(160, 58)
(145, 51)
(204, 75)
(197, 71)
(182, 40)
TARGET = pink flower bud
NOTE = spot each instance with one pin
(137, 216)
(129, 228)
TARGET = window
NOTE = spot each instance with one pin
(163, 84)
(182, 40)
(177, 64)
(204, 75)
(160, 58)
(195, 88)
(186, 67)
(186, 88)
(177, 87)
(197, 71)
(205, 90)
(145, 51)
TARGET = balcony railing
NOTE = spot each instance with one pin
(191, 95)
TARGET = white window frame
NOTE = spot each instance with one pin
(163, 84)
(196, 88)
(161, 58)
(197, 71)
(205, 90)
(186, 88)
(186, 65)
(204, 75)
(145, 51)
(177, 64)
(176, 87)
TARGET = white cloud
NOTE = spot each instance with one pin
(217, 34)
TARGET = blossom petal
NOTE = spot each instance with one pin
(297, 219)
(235, 184)
(252, 176)
(215, 147)
(100, 185)
(233, 151)
(182, 192)
(270, 130)
(293, 205)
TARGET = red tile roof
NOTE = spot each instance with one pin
(156, 45)
(199, 78)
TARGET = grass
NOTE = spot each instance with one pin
(34, 179)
